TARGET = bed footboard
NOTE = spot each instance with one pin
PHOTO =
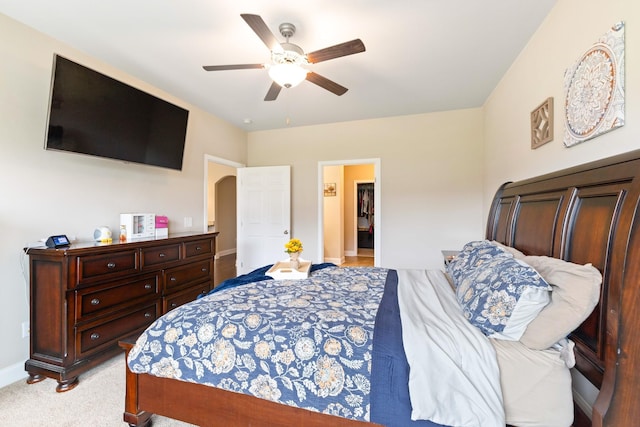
(208, 406)
(132, 414)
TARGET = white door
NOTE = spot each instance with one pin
(264, 216)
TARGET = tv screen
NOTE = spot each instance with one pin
(94, 114)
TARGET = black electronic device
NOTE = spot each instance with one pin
(91, 113)
(60, 241)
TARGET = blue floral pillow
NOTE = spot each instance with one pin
(500, 294)
(473, 255)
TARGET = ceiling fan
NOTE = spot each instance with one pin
(288, 60)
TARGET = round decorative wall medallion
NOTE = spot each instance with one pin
(590, 92)
(594, 89)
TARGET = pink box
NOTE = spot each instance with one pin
(162, 221)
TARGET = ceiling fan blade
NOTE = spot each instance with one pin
(232, 67)
(325, 83)
(342, 49)
(259, 27)
(273, 92)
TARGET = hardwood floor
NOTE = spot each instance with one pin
(357, 261)
(225, 266)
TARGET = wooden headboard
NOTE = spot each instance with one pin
(589, 214)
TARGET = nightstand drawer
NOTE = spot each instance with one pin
(106, 266)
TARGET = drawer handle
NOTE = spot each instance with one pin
(147, 315)
(147, 286)
(198, 248)
(111, 265)
(95, 301)
(174, 305)
(173, 279)
(203, 269)
(161, 255)
(95, 336)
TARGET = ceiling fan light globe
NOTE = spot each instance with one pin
(287, 75)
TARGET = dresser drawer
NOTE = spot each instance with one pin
(179, 298)
(159, 255)
(116, 295)
(106, 266)
(177, 277)
(198, 248)
(107, 333)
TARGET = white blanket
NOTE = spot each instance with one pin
(454, 377)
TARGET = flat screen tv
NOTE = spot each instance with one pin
(90, 113)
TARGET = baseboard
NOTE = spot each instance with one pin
(351, 253)
(580, 419)
(225, 252)
(582, 410)
(11, 374)
(336, 261)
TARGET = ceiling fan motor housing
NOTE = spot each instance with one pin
(290, 54)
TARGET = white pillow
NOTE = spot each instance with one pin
(575, 293)
(513, 251)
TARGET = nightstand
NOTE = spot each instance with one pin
(449, 256)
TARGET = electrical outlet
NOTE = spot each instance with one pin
(188, 222)
(25, 329)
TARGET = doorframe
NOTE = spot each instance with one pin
(207, 159)
(377, 218)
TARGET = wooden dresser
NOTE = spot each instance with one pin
(87, 297)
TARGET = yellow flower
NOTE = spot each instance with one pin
(293, 245)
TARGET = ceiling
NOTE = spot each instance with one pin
(421, 55)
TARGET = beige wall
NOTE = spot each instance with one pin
(46, 192)
(569, 30)
(216, 172)
(431, 179)
(226, 215)
(333, 208)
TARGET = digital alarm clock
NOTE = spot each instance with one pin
(60, 241)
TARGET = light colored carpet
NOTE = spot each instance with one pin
(98, 401)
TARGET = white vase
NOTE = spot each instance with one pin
(294, 260)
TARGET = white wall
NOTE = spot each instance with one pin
(45, 192)
(569, 30)
(431, 179)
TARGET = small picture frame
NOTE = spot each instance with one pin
(329, 189)
(542, 124)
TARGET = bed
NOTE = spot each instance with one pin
(584, 215)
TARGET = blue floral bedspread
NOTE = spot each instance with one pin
(305, 343)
